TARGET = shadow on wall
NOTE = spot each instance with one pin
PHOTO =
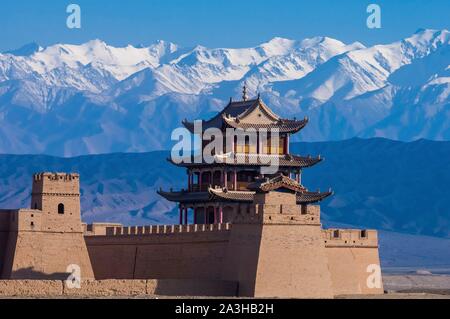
(243, 256)
(30, 273)
(188, 287)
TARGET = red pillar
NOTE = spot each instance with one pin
(195, 215)
(221, 214)
(235, 179)
(181, 214)
(186, 215)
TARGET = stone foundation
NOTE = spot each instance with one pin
(118, 288)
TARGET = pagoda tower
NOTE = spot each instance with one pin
(216, 191)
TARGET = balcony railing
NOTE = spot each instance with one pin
(241, 186)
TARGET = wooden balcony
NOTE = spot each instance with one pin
(241, 186)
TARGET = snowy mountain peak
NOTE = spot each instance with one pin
(26, 50)
(163, 47)
(279, 46)
(129, 97)
(429, 38)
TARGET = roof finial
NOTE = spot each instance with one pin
(244, 92)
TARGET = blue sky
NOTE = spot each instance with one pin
(214, 23)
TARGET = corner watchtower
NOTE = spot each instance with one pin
(57, 195)
(49, 236)
(49, 190)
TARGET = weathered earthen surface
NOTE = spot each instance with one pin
(117, 288)
(183, 255)
(31, 288)
(271, 252)
(349, 269)
(191, 287)
(108, 288)
(353, 257)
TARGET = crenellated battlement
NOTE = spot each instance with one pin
(350, 237)
(115, 230)
(55, 184)
(278, 214)
(66, 177)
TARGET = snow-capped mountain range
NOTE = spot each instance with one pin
(96, 98)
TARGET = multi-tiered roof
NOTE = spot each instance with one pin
(248, 114)
(224, 195)
(232, 115)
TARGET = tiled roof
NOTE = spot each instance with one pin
(237, 196)
(282, 125)
(219, 195)
(253, 160)
(185, 197)
(312, 197)
(233, 109)
(280, 181)
(247, 196)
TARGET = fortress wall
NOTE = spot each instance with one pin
(295, 248)
(98, 229)
(159, 252)
(272, 248)
(5, 218)
(44, 241)
(349, 256)
(122, 288)
(3, 244)
(36, 251)
(5, 227)
(43, 255)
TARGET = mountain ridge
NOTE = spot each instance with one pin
(377, 183)
(82, 95)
